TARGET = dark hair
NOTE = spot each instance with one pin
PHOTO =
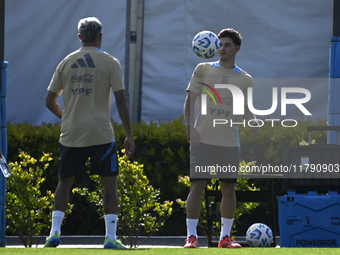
(234, 35)
(88, 28)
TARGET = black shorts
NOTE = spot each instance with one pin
(103, 160)
(225, 162)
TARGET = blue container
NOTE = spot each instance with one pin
(310, 220)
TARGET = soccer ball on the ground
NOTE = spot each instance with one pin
(259, 235)
(205, 44)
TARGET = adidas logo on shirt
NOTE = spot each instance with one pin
(88, 62)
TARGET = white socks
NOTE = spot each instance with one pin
(57, 219)
(226, 225)
(191, 227)
(111, 225)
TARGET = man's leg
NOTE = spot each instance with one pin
(61, 198)
(110, 187)
(228, 206)
(193, 207)
(193, 210)
(228, 203)
(70, 159)
(62, 193)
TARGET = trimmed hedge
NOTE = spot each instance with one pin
(163, 149)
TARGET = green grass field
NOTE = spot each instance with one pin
(170, 251)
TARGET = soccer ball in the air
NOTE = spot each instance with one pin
(205, 44)
(259, 235)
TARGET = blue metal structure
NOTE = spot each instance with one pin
(334, 75)
(3, 121)
(3, 147)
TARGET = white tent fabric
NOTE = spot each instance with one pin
(39, 36)
(281, 40)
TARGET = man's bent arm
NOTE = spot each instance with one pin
(52, 104)
(123, 110)
(189, 113)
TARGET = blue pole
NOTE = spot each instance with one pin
(334, 88)
(3, 147)
(334, 75)
(2, 135)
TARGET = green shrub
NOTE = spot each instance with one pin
(34, 140)
(44, 138)
(28, 210)
(140, 212)
(163, 149)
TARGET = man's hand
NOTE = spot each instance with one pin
(123, 111)
(254, 127)
(193, 136)
(189, 106)
(129, 146)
